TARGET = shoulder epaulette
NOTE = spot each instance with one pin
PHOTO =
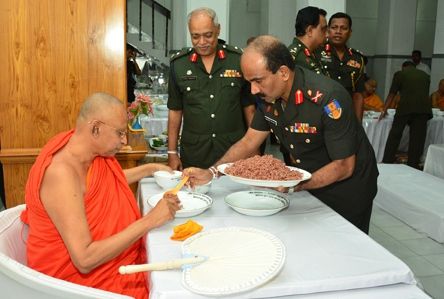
(356, 51)
(181, 53)
(234, 49)
(295, 50)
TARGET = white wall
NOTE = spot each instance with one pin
(245, 21)
(425, 27)
(364, 15)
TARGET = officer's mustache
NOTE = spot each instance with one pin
(261, 95)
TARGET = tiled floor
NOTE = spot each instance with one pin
(423, 255)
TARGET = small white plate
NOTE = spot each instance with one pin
(192, 203)
(157, 148)
(256, 203)
(266, 183)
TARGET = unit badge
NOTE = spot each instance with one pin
(333, 109)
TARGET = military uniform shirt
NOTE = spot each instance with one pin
(304, 57)
(212, 103)
(317, 126)
(413, 85)
(349, 71)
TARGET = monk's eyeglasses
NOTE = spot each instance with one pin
(120, 133)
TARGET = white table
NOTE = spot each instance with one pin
(325, 253)
(378, 131)
(434, 162)
(413, 196)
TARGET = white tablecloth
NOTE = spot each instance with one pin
(377, 133)
(434, 162)
(413, 196)
(324, 251)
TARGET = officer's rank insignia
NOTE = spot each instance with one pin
(221, 54)
(353, 63)
(231, 74)
(189, 72)
(298, 97)
(276, 113)
(309, 92)
(333, 109)
(193, 57)
(268, 109)
(307, 52)
(316, 98)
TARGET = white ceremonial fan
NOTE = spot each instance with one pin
(237, 260)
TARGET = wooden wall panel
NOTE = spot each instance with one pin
(53, 53)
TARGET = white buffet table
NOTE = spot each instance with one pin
(413, 196)
(378, 131)
(434, 162)
(325, 253)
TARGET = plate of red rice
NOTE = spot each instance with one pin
(264, 171)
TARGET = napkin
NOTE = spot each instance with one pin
(186, 230)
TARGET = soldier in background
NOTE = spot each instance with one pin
(344, 64)
(207, 90)
(311, 33)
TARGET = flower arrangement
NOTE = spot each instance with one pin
(141, 105)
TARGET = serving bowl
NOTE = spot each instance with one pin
(203, 188)
(391, 112)
(256, 202)
(167, 180)
(192, 203)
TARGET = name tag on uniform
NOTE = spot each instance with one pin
(188, 78)
(273, 121)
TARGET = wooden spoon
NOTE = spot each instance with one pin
(178, 186)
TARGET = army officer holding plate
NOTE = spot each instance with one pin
(313, 118)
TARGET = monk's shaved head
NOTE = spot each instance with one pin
(97, 105)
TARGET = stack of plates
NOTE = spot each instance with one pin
(257, 202)
(192, 203)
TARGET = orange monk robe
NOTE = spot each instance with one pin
(373, 102)
(437, 101)
(110, 207)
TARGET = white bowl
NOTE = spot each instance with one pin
(391, 112)
(376, 114)
(167, 180)
(256, 202)
(203, 188)
(192, 203)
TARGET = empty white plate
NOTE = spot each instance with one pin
(256, 202)
(192, 203)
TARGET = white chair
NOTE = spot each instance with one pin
(19, 281)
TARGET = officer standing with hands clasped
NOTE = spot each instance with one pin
(207, 89)
(344, 64)
(313, 118)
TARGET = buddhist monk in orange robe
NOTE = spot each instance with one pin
(371, 100)
(83, 218)
(438, 96)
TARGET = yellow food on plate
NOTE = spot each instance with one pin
(186, 230)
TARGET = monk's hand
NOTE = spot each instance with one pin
(197, 176)
(165, 209)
